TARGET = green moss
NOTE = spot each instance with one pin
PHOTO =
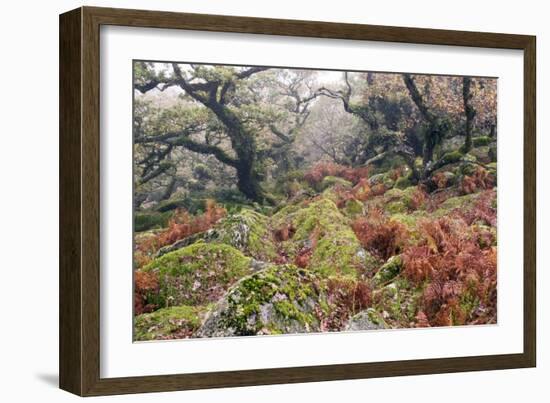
(403, 182)
(396, 207)
(281, 214)
(321, 213)
(411, 220)
(376, 318)
(144, 221)
(469, 303)
(337, 249)
(353, 207)
(389, 182)
(399, 301)
(383, 178)
(331, 194)
(173, 322)
(469, 158)
(197, 273)
(330, 181)
(340, 252)
(248, 231)
(481, 141)
(388, 271)
(279, 299)
(393, 194)
(452, 203)
(452, 157)
(397, 201)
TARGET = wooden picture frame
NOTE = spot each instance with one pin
(79, 347)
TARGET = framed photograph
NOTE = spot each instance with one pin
(249, 201)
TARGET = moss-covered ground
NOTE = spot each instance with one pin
(347, 256)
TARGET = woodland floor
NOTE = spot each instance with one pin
(343, 250)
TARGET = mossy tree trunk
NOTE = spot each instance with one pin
(469, 112)
(431, 136)
(213, 93)
(244, 144)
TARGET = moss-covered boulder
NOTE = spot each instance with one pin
(451, 157)
(464, 202)
(197, 274)
(322, 227)
(368, 319)
(468, 164)
(388, 270)
(397, 201)
(331, 181)
(279, 299)
(382, 179)
(248, 231)
(177, 322)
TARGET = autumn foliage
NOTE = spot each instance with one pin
(380, 236)
(284, 233)
(346, 297)
(480, 179)
(181, 225)
(458, 274)
(146, 285)
(319, 171)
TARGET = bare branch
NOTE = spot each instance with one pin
(202, 148)
(253, 70)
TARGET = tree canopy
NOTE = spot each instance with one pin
(250, 125)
